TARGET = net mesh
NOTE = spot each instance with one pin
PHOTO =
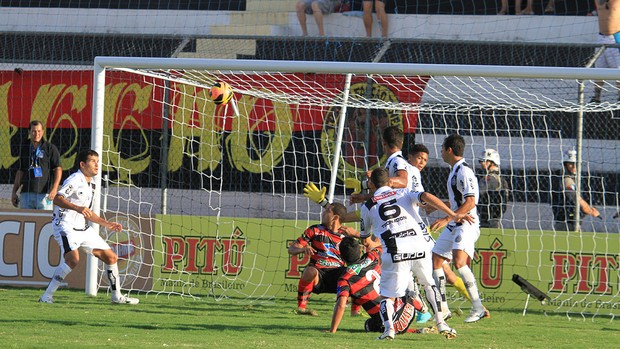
(230, 177)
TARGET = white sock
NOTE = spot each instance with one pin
(59, 276)
(440, 280)
(472, 287)
(387, 313)
(112, 272)
(433, 298)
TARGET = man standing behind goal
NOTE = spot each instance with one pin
(71, 231)
(456, 242)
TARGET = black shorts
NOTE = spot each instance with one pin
(328, 280)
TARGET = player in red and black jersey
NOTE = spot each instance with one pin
(360, 282)
(320, 242)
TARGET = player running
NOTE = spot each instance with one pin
(72, 210)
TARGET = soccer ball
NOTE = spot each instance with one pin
(221, 92)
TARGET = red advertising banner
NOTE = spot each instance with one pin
(63, 99)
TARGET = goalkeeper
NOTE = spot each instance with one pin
(320, 242)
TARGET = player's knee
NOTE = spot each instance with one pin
(107, 256)
(309, 274)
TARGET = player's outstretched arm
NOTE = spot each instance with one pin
(61, 202)
(350, 231)
(339, 308)
(435, 202)
(297, 248)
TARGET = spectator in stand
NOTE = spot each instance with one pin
(564, 195)
(528, 10)
(39, 172)
(381, 17)
(609, 33)
(550, 8)
(493, 190)
(317, 8)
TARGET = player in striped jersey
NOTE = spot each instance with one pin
(457, 240)
(320, 242)
(391, 215)
(360, 282)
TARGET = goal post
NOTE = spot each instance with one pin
(217, 217)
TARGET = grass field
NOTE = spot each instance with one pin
(79, 321)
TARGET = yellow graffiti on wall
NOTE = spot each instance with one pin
(115, 95)
(196, 125)
(244, 152)
(6, 129)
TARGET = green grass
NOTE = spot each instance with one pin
(79, 321)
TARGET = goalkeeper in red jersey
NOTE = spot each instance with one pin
(320, 242)
(360, 282)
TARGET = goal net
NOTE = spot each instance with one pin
(211, 196)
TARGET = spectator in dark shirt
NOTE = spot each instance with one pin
(39, 172)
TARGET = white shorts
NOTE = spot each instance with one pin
(85, 240)
(460, 237)
(396, 277)
(611, 56)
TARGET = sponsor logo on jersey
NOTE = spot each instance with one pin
(383, 196)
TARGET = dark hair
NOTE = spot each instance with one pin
(83, 156)
(456, 142)
(417, 148)
(393, 136)
(339, 210)
(350, 250)
(380, 177)
(35, 123)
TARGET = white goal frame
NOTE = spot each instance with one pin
(102, 63)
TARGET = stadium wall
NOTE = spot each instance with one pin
(549, 29)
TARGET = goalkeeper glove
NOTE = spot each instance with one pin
(313, 193)
(357, 186)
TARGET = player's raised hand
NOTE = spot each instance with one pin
(313, 193)
(350, 231)
(357, 198)
(353, 183)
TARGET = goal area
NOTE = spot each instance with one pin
(211, 196)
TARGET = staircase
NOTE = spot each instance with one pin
(261, 18)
